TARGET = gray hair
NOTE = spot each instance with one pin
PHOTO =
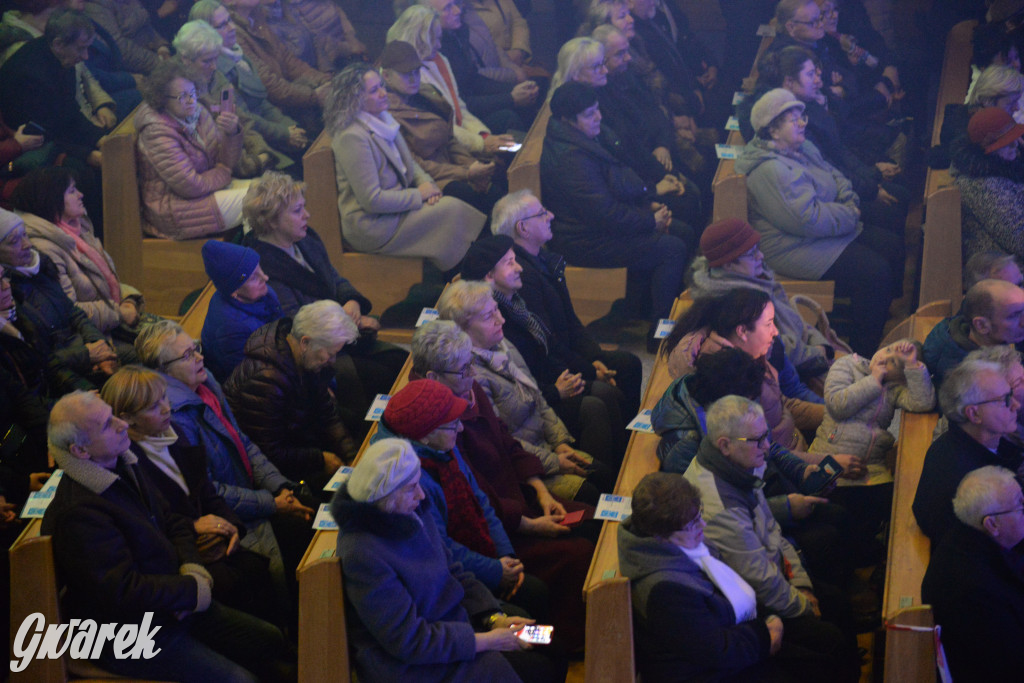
(1003, 355)
(68, 26)
(981, 266)
(599, 13)
(152, 341)
(415, 26)
(787, 9)
(729, 413)
(572, 58)
(203, 10)
(508, 211)
(439, 345)
(977, 495)
(994, 82)
(196, 37)
(62, 432)
(605, 32)
(960, 388)
(461, 300)
(325, 323)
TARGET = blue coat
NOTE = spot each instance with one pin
(411, 602)
(197, 425)
(228, 325)
(487, 569)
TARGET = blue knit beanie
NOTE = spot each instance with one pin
(228, 265)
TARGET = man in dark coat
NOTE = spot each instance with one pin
(126, 559)
(975, 580)
(979, 404)
(523, 218)
(282, 399)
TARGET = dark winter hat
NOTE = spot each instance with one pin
(483, 255)
(727, 240)
(228, 265)
(421, 407)
(572, 98)
(400, 56)
(993, 128)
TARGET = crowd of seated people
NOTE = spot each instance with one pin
(199, 499)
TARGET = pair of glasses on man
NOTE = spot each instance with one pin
(1007, 400)
(762, 440)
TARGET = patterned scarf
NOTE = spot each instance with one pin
(514, 308)
(466, 522)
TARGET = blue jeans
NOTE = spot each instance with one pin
(221, 645)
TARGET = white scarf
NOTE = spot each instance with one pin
(737, 591)
(155, 448)
(386, 128)
(32, 269)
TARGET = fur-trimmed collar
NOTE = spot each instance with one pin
(90, 475)
(352, 516)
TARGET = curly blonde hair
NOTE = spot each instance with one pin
(268, 196)
(346, 96)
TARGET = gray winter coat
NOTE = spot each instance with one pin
(858, 411)
(804, 208)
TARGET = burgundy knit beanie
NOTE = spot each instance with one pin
(727, 240)
(421, 407)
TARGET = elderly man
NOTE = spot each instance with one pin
(727, 470)
(281, 394)
(128, 560)
(524, 219)
(975, 580)
(979, 403)
(992, 313)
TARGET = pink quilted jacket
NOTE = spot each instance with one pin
(178, 174)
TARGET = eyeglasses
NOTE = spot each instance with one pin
(1005, 512)
(695, 522)
(1007, 400)
(542, 212)
(817, 22)
(465, 373)
(799, 118)
(190, 354)
(762, 440)
(188, 96)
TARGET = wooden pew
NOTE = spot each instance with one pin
(165, 271)
(729, 187)
(384, 279)
(194, 318)
(524, 171)
(941, 251)
(907, 654)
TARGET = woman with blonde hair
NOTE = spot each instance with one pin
(388, 204)
(138, 396)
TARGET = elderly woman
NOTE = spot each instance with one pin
(421, 27)
(79, 355)
(198, 47)
(58, 226)
(242, 304)
(242, 475)
(278, 129)
(517, 398)
(745, 319)
(732, 258)
(300, 272)
(415, 609)
(138, 396)
(809, 218)
(987, 170)
(694, 616)
(604, 213)
(283, 401)
(427, 126)
(998, 85)
(388, 203)
(185, 159)
(560, 557)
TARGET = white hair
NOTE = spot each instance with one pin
(325, 323)
(729, 413)
(978, 494)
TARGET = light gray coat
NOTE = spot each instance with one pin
(804, 208)
(381, 209)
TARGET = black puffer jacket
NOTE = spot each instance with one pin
(287, 411)
(590, 190)
(55, 326)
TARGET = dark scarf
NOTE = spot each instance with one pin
(466, 522)
(515, 310)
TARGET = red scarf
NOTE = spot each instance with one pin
(466, 522)
(210, 399)
(450, 83)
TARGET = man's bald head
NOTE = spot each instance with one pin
(995, 310)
